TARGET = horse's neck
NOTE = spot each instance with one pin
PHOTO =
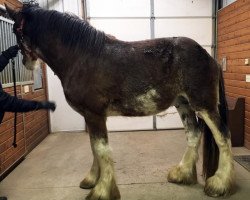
(60, 58)
(56, 56)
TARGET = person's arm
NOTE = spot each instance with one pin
(10, 103)
(3, 62)
(6, 55)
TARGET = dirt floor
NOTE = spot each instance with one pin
(54, 169)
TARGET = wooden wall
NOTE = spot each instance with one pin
(13, 3)
(32, 128)
(234, 44)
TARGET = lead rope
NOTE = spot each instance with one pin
(15, 116)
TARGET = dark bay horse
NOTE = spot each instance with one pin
(103, 76)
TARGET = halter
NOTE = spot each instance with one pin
(19, 31)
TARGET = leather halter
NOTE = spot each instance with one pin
(19, 31)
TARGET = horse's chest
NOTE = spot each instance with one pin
(73, 99)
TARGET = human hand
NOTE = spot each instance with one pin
(49, 105)
(11, 52)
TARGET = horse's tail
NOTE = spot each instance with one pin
(210, 148)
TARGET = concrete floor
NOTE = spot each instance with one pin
(54, 169)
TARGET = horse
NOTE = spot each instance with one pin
(102, 76)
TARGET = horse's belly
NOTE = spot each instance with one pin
(141, 105)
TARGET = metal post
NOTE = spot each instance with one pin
(152, 35)
(152, 19)
(215, 8)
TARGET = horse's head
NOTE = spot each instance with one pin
(28, 50)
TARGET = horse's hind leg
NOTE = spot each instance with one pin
(105, 187)
(185, 172)
(221, 183)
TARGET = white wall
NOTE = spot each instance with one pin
(189, 18)
(118, 8)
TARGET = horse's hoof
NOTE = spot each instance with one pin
(216, 187)
(87, 184)
(94, 195)
(115, 193)
(181, 175)
(99, 193)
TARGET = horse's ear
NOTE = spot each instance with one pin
(12, 12)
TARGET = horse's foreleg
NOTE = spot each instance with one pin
(105, 188)
(185, 171)
(221, 183)
(92, 177)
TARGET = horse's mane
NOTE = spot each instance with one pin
(74, 33)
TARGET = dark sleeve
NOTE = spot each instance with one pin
(10, 103)
(3, 62)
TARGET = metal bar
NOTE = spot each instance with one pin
(152, 35)
(8, 39)
(156, 17)
(6, 20)
(183, 17)
(206, 45)
(18, 83)
(215, 8)
(118, 17)
(85, 9)
(152, 20)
